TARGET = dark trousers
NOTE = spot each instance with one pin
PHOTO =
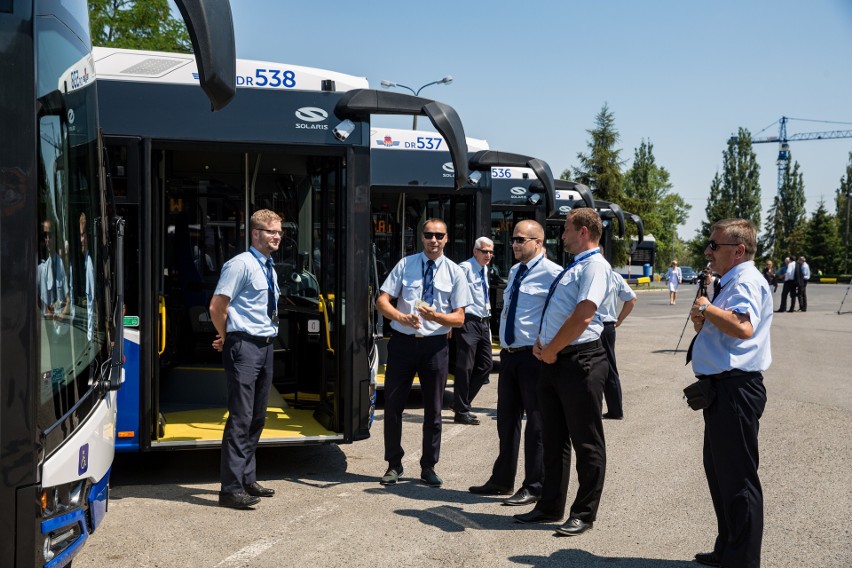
(428, 358)
(612, 387)
(248, 368)
(789, 289)
(517, 393)
(731, 426)
(803, 296)
(570, 396)
(473, 362)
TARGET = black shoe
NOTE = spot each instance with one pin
(573, 527)
(391, 476)
(611, 416)
(237, 500)
(537, 516)
(466, 418)
(489, 489)
(708, 559)
(523, 497)
(780, 311)
(430, 478)
(257, 490)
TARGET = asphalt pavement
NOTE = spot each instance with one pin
(330, 510)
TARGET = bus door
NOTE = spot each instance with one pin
(202, 222)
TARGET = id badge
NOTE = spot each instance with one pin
(275, 319)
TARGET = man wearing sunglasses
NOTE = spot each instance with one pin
(432, 294)
(473, 340)
(732, 350)
(517, 388)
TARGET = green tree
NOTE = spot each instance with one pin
(137, 24)
(647, 194)
(600, 169)
(843, 203)
(790, 211)
(824, 248)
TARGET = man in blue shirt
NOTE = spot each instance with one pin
(517, 388)
(732, 349)
(473, 339)
(572, 379)
(618, 290)
(431, 293)
(244, 310)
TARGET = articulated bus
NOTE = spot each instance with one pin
(295, 140)
(413, 179)
(60, 247)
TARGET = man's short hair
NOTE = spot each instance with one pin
(434, 220)
(742, 232)
(483, 242)
(263, 217)
(589, 218)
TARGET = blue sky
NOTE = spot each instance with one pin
(530, 77)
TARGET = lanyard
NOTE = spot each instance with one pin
(263, 268)
(527, 273)
(556, 283)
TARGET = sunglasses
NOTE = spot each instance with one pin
(429, 235)
(485, 251)
(715, 246)
(522, 240)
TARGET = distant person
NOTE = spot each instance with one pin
(52, 281)
(789, 287)
(89, 271)
(618, 290)
(674, 277)
(731, 350)
(473, 339)
(769, 274)
(803, 274)
(573, 373)
(517, 387)
(244, 310)
(432, 294)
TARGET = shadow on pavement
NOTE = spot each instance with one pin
(573, 557)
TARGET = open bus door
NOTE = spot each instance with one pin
(521, 187)
(412, 180)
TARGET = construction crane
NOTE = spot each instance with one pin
(784, 141)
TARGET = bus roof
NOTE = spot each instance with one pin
(180, 68)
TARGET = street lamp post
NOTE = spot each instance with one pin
(390, 84)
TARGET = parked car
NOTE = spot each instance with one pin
(689, 275)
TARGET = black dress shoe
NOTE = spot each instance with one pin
(466, 418)
(489, 489)
(574, 526)
(522, 497)
(708, 559)
(257, 490)
(391, 476)
(237, 500)
(537, 516)
(611, 416)
(430, 478)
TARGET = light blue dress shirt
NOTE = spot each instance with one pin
(243, 280)
(744, 291)
(618, 290)
(473, 274)
(531, 297)
(587, 280)
(405, 283)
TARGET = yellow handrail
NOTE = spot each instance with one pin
(162, 312)
(322, 303)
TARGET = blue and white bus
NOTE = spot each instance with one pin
(59, 302)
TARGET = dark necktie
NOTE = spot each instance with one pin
(692, 343)
(484, 286)
(513, 304)
(429, 283)
(270, 303)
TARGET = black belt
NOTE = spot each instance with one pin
(580, 347)
(254, 338)
(517, 349)
(609, 323)
(732, 374)
(480, 319)
(418, 335)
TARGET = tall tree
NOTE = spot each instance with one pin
(824, 248)
(791, 209)
(843, 203)
(137, 24)
(647, 194)
(600, 169)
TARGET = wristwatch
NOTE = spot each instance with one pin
(702, 307)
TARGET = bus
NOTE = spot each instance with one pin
(295, 140)
(412, 179)
(60, 303)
